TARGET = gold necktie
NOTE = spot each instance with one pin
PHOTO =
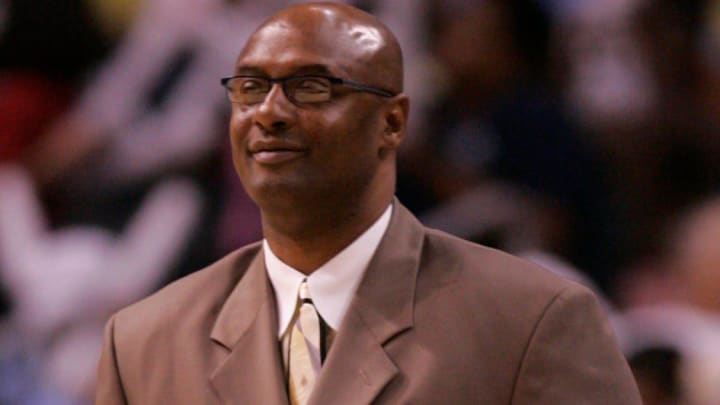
(305, 358)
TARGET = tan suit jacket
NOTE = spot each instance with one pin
(436, 320)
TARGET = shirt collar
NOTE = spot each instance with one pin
(333, 284)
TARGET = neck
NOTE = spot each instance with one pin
(307, 240)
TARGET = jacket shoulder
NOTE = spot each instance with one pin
(489, 270)
(194, 299)
(557, 344)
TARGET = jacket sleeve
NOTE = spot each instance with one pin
(109, 390)
(572, 357)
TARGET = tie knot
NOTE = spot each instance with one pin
(304, 292)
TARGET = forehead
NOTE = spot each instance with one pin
(343, 48)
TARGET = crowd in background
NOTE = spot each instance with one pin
(582, 134)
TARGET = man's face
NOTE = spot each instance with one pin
(287, 152)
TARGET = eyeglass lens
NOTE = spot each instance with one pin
(305, 89)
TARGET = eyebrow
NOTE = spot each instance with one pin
(318, 69)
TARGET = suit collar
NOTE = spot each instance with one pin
(385, 297)
(250, 370)
(357, 367)
(242, 305)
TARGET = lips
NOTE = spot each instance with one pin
(275, 152)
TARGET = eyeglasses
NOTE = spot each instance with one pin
(248, 89)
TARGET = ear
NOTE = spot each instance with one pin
(395, 121)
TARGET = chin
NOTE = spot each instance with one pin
(280, 192)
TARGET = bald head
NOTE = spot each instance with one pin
(358, 43)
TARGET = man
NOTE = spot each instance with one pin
(406, 314)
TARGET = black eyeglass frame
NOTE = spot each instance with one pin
(332, 79)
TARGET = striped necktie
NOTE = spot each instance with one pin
(305, 350)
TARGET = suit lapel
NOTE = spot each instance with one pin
(251, 372)
(357, 367)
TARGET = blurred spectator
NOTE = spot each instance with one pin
(495, 117)
(695, 255)
(636, 78)
(65, 283)
(688, 268)
(657, 372)
(673, 326)
(673, 352)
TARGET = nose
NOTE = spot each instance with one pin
(276, 113)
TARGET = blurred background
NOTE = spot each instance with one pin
(581, 134)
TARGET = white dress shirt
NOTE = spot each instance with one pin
(332, 285)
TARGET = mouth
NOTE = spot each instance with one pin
(275, 153)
